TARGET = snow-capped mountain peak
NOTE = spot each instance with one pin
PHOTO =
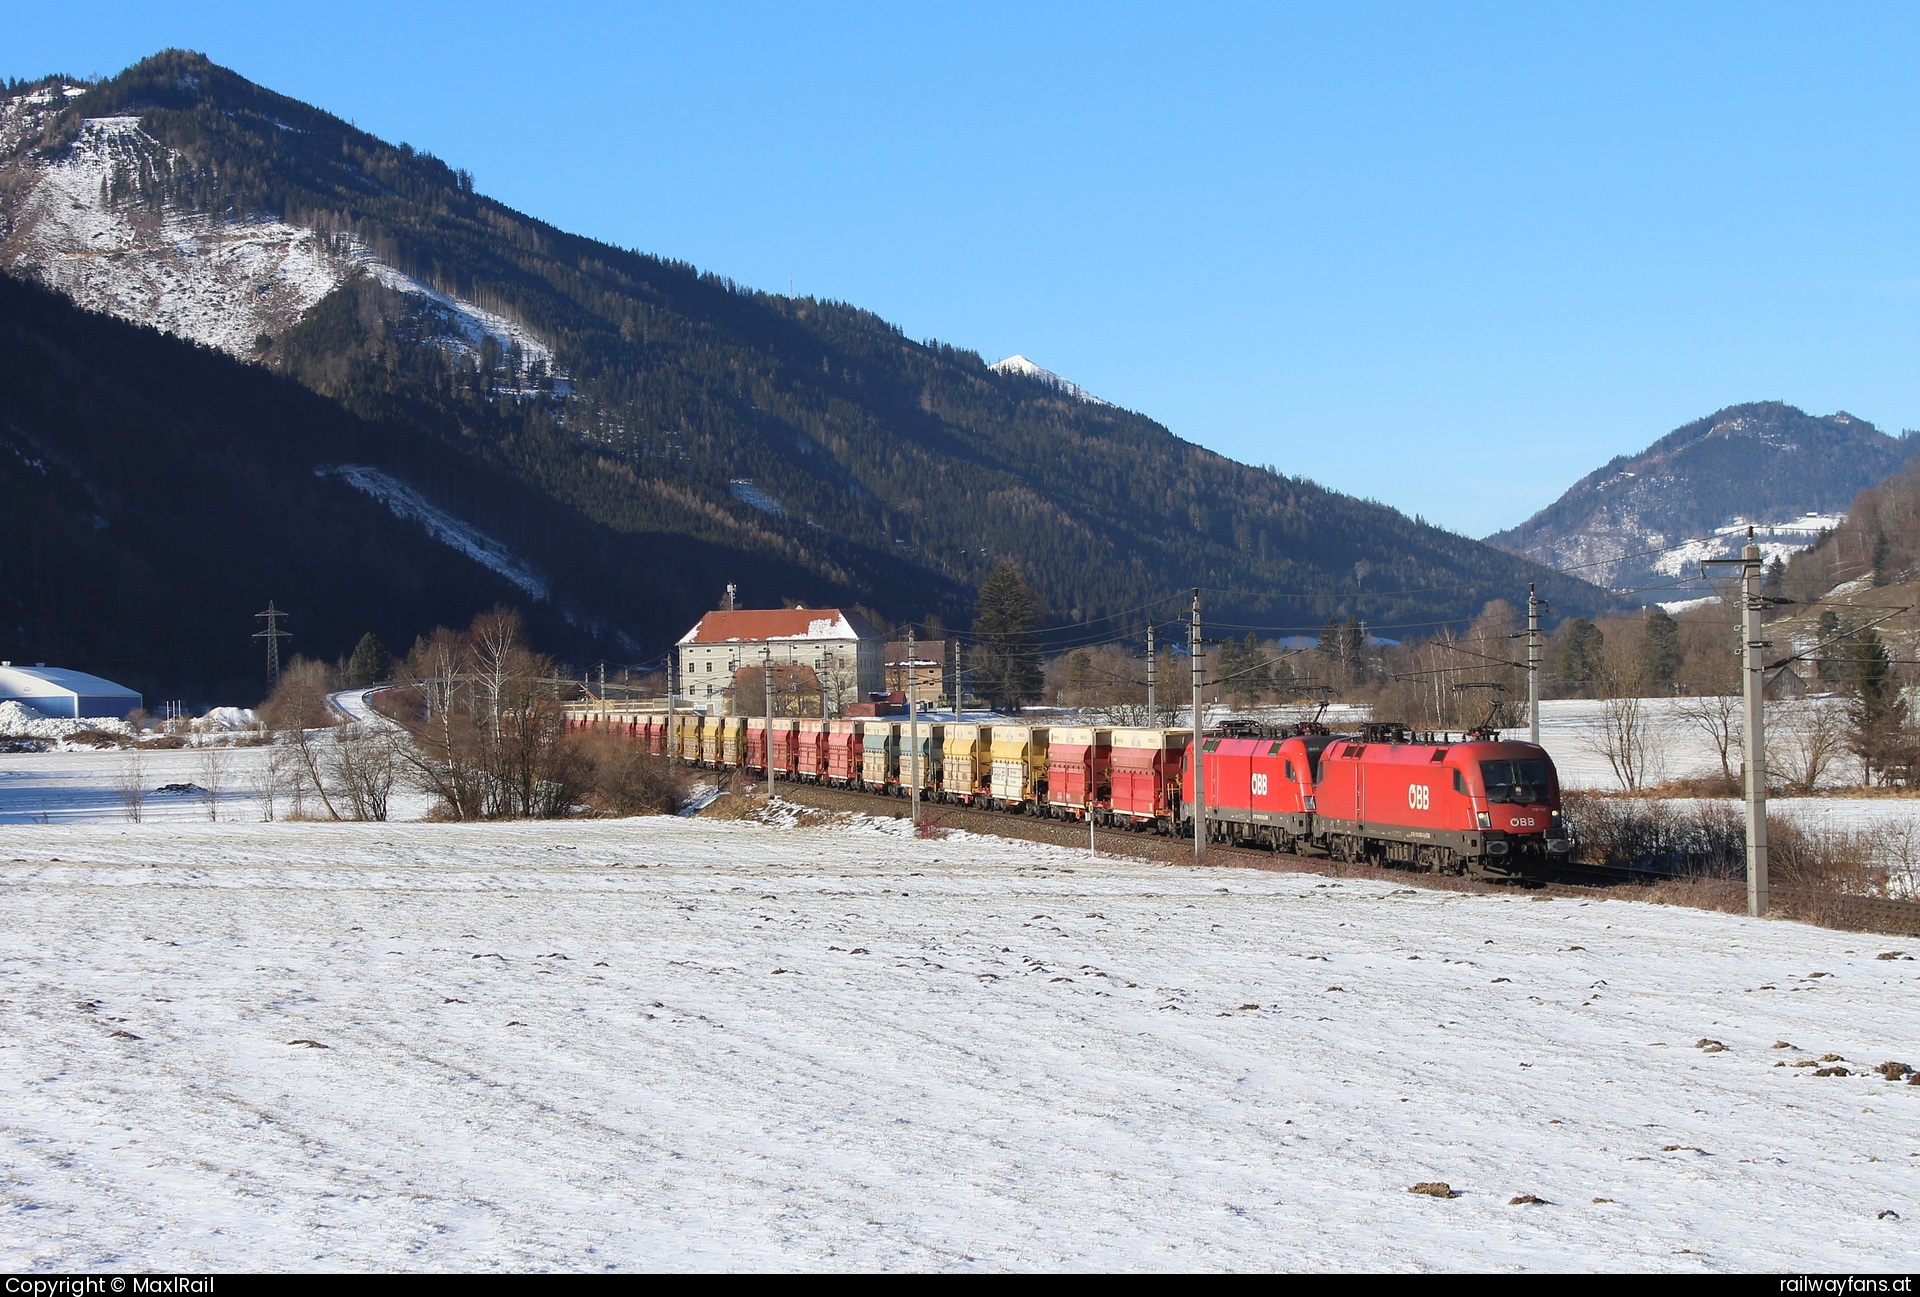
(1018, 364)
(1646, 521)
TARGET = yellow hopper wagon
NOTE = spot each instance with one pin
(1019, 767)
(966, 760)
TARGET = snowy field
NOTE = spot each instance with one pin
(679, 1043)
(1570, 726)
(89, 787)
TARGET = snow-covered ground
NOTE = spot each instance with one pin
(90, 787)
(19, 721)
(667, 1043)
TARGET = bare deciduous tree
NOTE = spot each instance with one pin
(363, 763)
(1805, 737)
(271, 777)
(1622, 740)
(308, 772)
(839, 679)
(488, 728)
(212, 764)
(130, 782)
(1721, 717)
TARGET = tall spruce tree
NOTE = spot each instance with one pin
(1353, 649)
(1828, 665)
(370, 663)
(1583, 663)
(1328, 650)
(1660, 650)
(1874, 709)
(1006, 654)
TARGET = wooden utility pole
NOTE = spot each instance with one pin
(673, 735)
(1199, 733)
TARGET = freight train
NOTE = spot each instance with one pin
(1464, 804)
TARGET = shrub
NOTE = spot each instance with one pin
(619, 778)
(1708, 839)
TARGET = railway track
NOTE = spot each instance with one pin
(1173, 851)
(1853, 913)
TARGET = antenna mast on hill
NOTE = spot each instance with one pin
(272, 635)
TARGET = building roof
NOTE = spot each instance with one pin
(773, 625)
(42, 681)
(926, 652)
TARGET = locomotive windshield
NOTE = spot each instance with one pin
(1523, 781)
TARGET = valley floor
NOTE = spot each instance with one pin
(682, 1043)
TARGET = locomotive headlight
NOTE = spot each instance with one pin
(1485, 820)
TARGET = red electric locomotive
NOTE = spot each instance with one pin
(1477, 804)
(1260, 790)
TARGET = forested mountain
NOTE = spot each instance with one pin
(1787, 473)
(812, 450)
(155, 494)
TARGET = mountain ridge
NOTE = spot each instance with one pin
(1645, 520)
(650, 397)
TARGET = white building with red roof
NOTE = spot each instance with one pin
(846, 653)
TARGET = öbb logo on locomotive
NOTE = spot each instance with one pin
(1259, 784)
(1419, 797)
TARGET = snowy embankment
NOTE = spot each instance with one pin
(669, 1043)
(21, 722)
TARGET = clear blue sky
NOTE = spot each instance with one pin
(1448, 257)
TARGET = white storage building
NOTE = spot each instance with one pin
(57, 692)
(846, 654)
